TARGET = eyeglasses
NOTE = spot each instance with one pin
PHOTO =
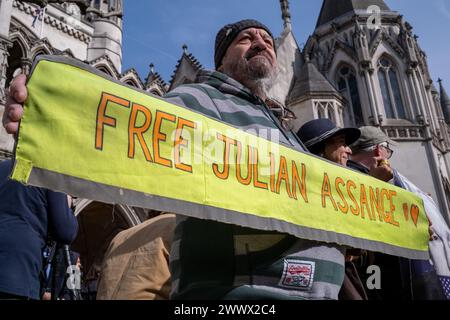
(389, 151)
(283, 113)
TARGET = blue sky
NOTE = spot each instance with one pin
(155, 30)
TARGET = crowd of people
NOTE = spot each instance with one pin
(190, 258)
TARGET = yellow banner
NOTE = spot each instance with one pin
(90, 136)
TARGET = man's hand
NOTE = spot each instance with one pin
(381, 170)
(47, 296)
(15, 98)
(431, 232)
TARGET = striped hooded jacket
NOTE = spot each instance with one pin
(211, 260)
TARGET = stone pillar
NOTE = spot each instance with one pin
(375, 113)
(5, 44)
(6, 141)
(414, 95)
(26, 65)
(431, 112)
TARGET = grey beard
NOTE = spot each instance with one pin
(258, 78)
(262, 86)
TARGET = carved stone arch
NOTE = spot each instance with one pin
(23, 33)
(346, 80)
(340, 63)
(394, 103)
(98, 224)
(131, 78)
(127, 212)
(42, 48)
(397, 64)
(23, 42)
(395, 60)
(104, 64)
(131, 82)
(157, 92)
(338, 67)
(17, 54)
(105, 68)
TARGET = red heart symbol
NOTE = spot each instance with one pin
(415, 213)
(405, 211)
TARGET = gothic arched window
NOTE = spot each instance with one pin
(390, 90)
(15, 55)
(326, 110)
(105, 70)
(348, 87)
(156, 92)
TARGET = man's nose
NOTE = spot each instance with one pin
(348, 150)
(259, 43)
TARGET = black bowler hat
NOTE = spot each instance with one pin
(315, 133)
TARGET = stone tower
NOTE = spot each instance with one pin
(106, 18)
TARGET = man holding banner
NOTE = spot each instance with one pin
(212, 260)
(237, 262)
(258, 218)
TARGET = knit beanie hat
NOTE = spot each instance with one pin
(228, 33)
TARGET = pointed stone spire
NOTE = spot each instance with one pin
(310, 83)
(332, 9)
(285, 14)
(153, 77)
(185, 49)
(445, 102)
(186, 69)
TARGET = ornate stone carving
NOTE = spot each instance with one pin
(4, 46)
(53, 22)
(405, 132)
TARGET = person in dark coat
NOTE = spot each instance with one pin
(27, 216)
(323, 138)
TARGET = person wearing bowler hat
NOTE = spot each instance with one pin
(323, 138)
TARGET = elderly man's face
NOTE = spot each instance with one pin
(336, 150)
(251, 56)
